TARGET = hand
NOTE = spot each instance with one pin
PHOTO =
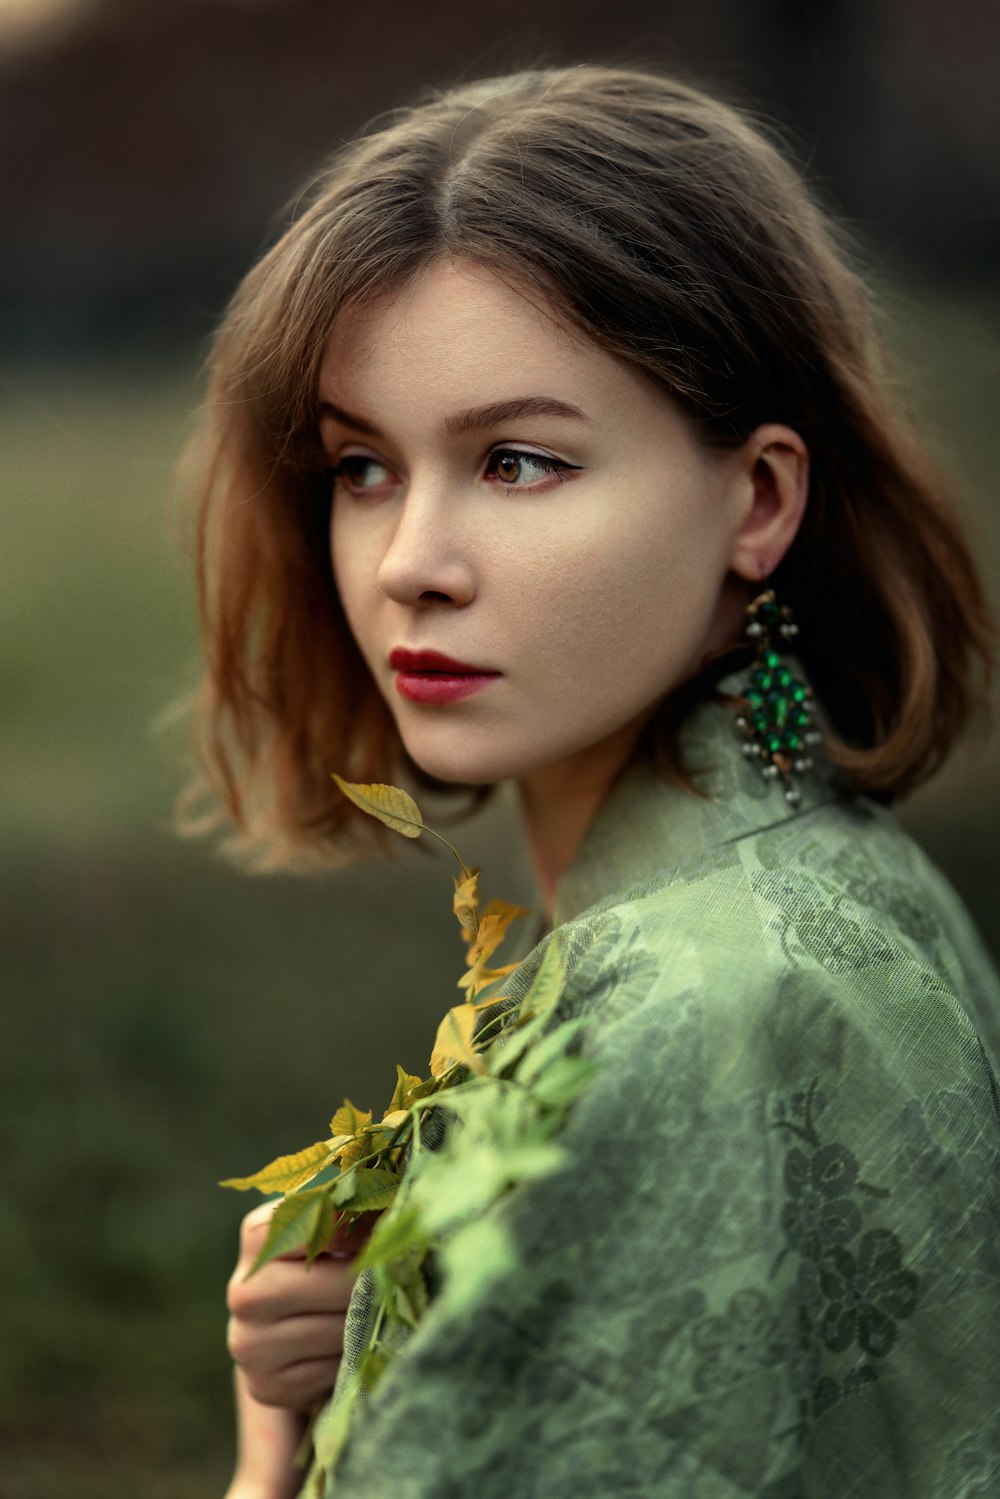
(286, 1334)
(286, 1324)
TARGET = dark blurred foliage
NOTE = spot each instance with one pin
(146, 148)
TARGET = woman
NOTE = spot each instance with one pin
(511, 439)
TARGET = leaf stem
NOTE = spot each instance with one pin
(466, 872)
(372, 1154)
(495, 1021)
(380, 1316)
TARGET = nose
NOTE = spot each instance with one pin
(427, 558)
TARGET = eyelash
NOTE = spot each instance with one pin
(553, 466)
(549, 465)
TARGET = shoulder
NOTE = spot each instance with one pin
(833, 921)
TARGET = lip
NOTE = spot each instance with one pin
(431, 677)
(403, 660)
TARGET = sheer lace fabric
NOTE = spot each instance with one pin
(772, 1267)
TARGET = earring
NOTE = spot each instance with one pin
(779, 724)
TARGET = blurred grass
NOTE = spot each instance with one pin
(167, 1021)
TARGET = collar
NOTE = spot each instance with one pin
(647, 827)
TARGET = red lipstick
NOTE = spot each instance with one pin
(430, 677)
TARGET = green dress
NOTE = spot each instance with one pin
(774, 1267)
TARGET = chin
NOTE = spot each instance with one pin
(460, 772)
(461, 763)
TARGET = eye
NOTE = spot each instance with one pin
(360, 475)
(515, 469)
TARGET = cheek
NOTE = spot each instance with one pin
(342, 545)
(351, 571)
(623, 590)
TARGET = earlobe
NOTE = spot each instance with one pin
(774, 465)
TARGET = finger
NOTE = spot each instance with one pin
(298, 1387)
(253, 1231)
(289, 1288)
(265, 1348)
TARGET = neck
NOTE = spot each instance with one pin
(560, 801)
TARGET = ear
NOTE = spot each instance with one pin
(773, 465)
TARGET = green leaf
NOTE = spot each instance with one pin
(303, 1221)
(288, 1172)
(547, 1049)
(366, 1189)
(403, 1308)
(429, 1086)
(563, 1082)
(390, 804)
(463, 1188)
(459, 1100)
(547, 985)
(371, 1367)
(394, 1235)
(473, 1259)
(333, 1427)
(513, 1042)
(409, 1274)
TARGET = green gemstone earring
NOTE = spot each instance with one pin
(778, 726)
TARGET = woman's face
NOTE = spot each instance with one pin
(511, 497)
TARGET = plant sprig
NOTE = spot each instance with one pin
(507, 1080)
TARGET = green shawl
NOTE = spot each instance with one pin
(774, 1267)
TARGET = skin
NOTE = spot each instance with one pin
(286, 1337)
(593, 588)
(593, 572)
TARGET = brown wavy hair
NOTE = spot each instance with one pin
(674, 232)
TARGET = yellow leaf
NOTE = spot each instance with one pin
(406, 1083)
(466, 902)
(287, 1172)
(349, 1119)
(394, 1117)
(391, 805)
(357, 1148)
(479, 976)
(453, 1042)
(493, 925)
(485, 941)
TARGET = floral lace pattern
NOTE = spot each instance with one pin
(732, 1345)
(778, 1246)
(819, 1212)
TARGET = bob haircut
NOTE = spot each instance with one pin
(668, 228)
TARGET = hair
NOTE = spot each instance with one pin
(669, 228)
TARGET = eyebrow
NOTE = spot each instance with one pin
(473, 419)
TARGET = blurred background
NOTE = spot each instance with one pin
(166, 1021)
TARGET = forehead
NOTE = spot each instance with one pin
(459, 327)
